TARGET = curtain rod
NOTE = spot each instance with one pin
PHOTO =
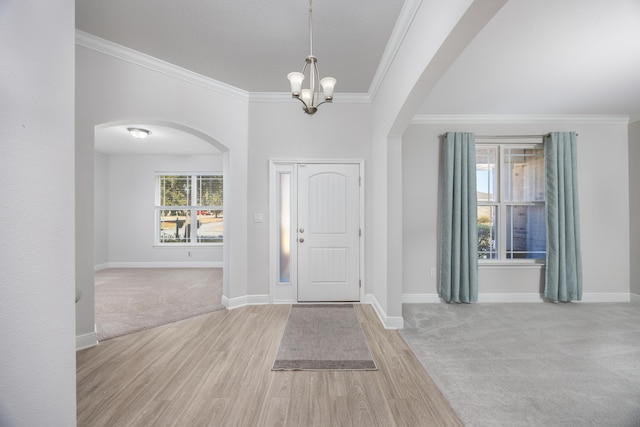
(510, 136)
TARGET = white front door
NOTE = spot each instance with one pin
(328, 233)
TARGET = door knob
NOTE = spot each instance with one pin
(301, 240)
(302, 230)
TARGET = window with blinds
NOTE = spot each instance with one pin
(189, 209)
(511, 201)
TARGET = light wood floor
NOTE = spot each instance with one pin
(215, 370)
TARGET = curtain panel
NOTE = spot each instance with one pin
(563, 281)
(458, 279)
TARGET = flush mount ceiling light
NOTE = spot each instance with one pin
(139, 133)
(310, 97)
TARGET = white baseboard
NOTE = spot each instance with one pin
(482, 297)
(420, 298)
(284, 301)
(160, 264)
(389, 322)
(588, 297)
(86, 340)
(606, 297)
(634, 298)
(99, 267)
(231, 303)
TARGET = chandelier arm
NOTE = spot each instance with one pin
(299, 98)
(324, 102)
(306, 64)
(315, 84)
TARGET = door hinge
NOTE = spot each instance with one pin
(360, 282)
(360, 181)
(360, 232)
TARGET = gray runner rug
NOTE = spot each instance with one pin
(323, 337)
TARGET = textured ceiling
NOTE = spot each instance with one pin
(548, 57)
(534, 57)
(250, 44)
(115, 139)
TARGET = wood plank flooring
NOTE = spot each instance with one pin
(215, 370)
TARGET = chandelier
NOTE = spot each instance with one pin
(310, 97)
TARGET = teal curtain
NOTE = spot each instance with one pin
(563, 281)
(458, 221)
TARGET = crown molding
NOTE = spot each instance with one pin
(520, 119)
(121, 52)
(407, 14)
(270, 97)
(339, 98)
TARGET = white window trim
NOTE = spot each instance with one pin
(156, 207)
(524, 142)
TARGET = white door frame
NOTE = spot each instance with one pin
(287, 292)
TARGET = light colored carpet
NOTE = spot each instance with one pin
(323, 337)
(532, 364)
(130, 300)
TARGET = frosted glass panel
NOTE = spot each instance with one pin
(284, 190)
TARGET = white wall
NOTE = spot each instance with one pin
(131, 201)
(438, 33)
(604, 204)
(110, 88)
(284, 131)
(101, 210)
(37, 347)
(634, 202)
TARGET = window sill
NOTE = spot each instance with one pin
(511, 264)
(187, 245)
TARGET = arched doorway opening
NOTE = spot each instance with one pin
(158, 225)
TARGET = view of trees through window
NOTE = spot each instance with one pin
(189, 209)
(511, 202)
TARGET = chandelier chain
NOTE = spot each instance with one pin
(310, 28)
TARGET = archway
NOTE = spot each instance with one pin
(127, 173)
